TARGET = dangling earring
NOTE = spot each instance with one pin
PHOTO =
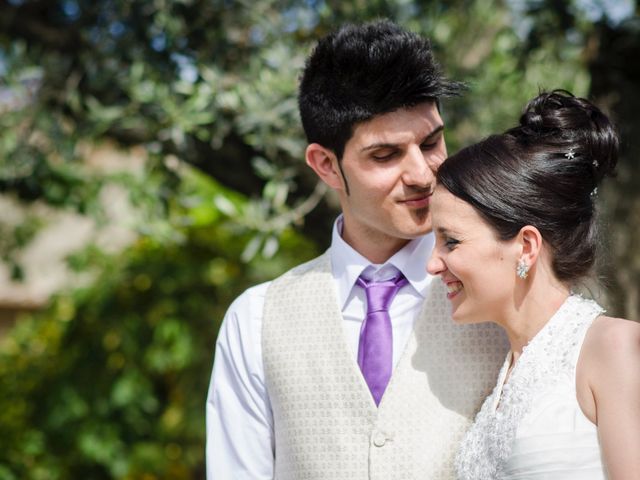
(522, 269)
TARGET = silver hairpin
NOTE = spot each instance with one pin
(570, 154)
(595, 163)
(594, 192)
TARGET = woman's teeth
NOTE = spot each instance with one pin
(454, 287)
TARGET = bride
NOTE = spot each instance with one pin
(516, 230)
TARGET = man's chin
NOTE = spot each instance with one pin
(416, 230)
(421, 220)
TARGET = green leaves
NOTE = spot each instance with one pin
(197, 100)
(110, 381)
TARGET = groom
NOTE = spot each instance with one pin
(349, 367)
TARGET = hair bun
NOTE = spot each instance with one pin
(532, 121)
(575, 125)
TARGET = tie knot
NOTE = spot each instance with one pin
(381, 293)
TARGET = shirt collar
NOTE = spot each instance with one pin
(347, 264)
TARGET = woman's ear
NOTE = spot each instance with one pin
(325, 163)
(531, 245)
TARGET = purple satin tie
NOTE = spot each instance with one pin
(375, 351)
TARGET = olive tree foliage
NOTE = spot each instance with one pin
(110, 380)
(213, 84)
(200, 82)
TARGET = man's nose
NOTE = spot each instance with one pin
(417, 171)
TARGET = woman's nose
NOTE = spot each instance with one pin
(435, 265)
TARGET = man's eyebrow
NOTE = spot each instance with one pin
(373, 146)
(435, 132)
(429, 136)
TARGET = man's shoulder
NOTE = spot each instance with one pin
(255, 295)
(255, 292)
(247, 307)
(321, 263)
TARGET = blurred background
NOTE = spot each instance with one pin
(151, 168)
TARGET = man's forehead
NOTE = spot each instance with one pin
(421, 120)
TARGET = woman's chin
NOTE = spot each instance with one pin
(462, 317)
(457, 316)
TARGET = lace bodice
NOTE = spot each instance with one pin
(547, 361)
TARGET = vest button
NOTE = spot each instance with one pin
(379, 439)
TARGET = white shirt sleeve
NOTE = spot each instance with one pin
(240, 442)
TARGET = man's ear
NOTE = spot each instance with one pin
(325, 163)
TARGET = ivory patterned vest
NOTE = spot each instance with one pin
(326, 423)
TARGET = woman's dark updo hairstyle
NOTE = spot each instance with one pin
(544, 173)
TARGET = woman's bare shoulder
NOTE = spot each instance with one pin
(611, 336)
(611, 347)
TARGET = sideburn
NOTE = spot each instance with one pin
(344, 178)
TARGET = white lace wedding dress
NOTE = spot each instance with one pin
(532, 427)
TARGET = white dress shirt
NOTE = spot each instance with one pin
(240, 438)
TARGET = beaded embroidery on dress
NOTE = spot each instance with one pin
(548, 357)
